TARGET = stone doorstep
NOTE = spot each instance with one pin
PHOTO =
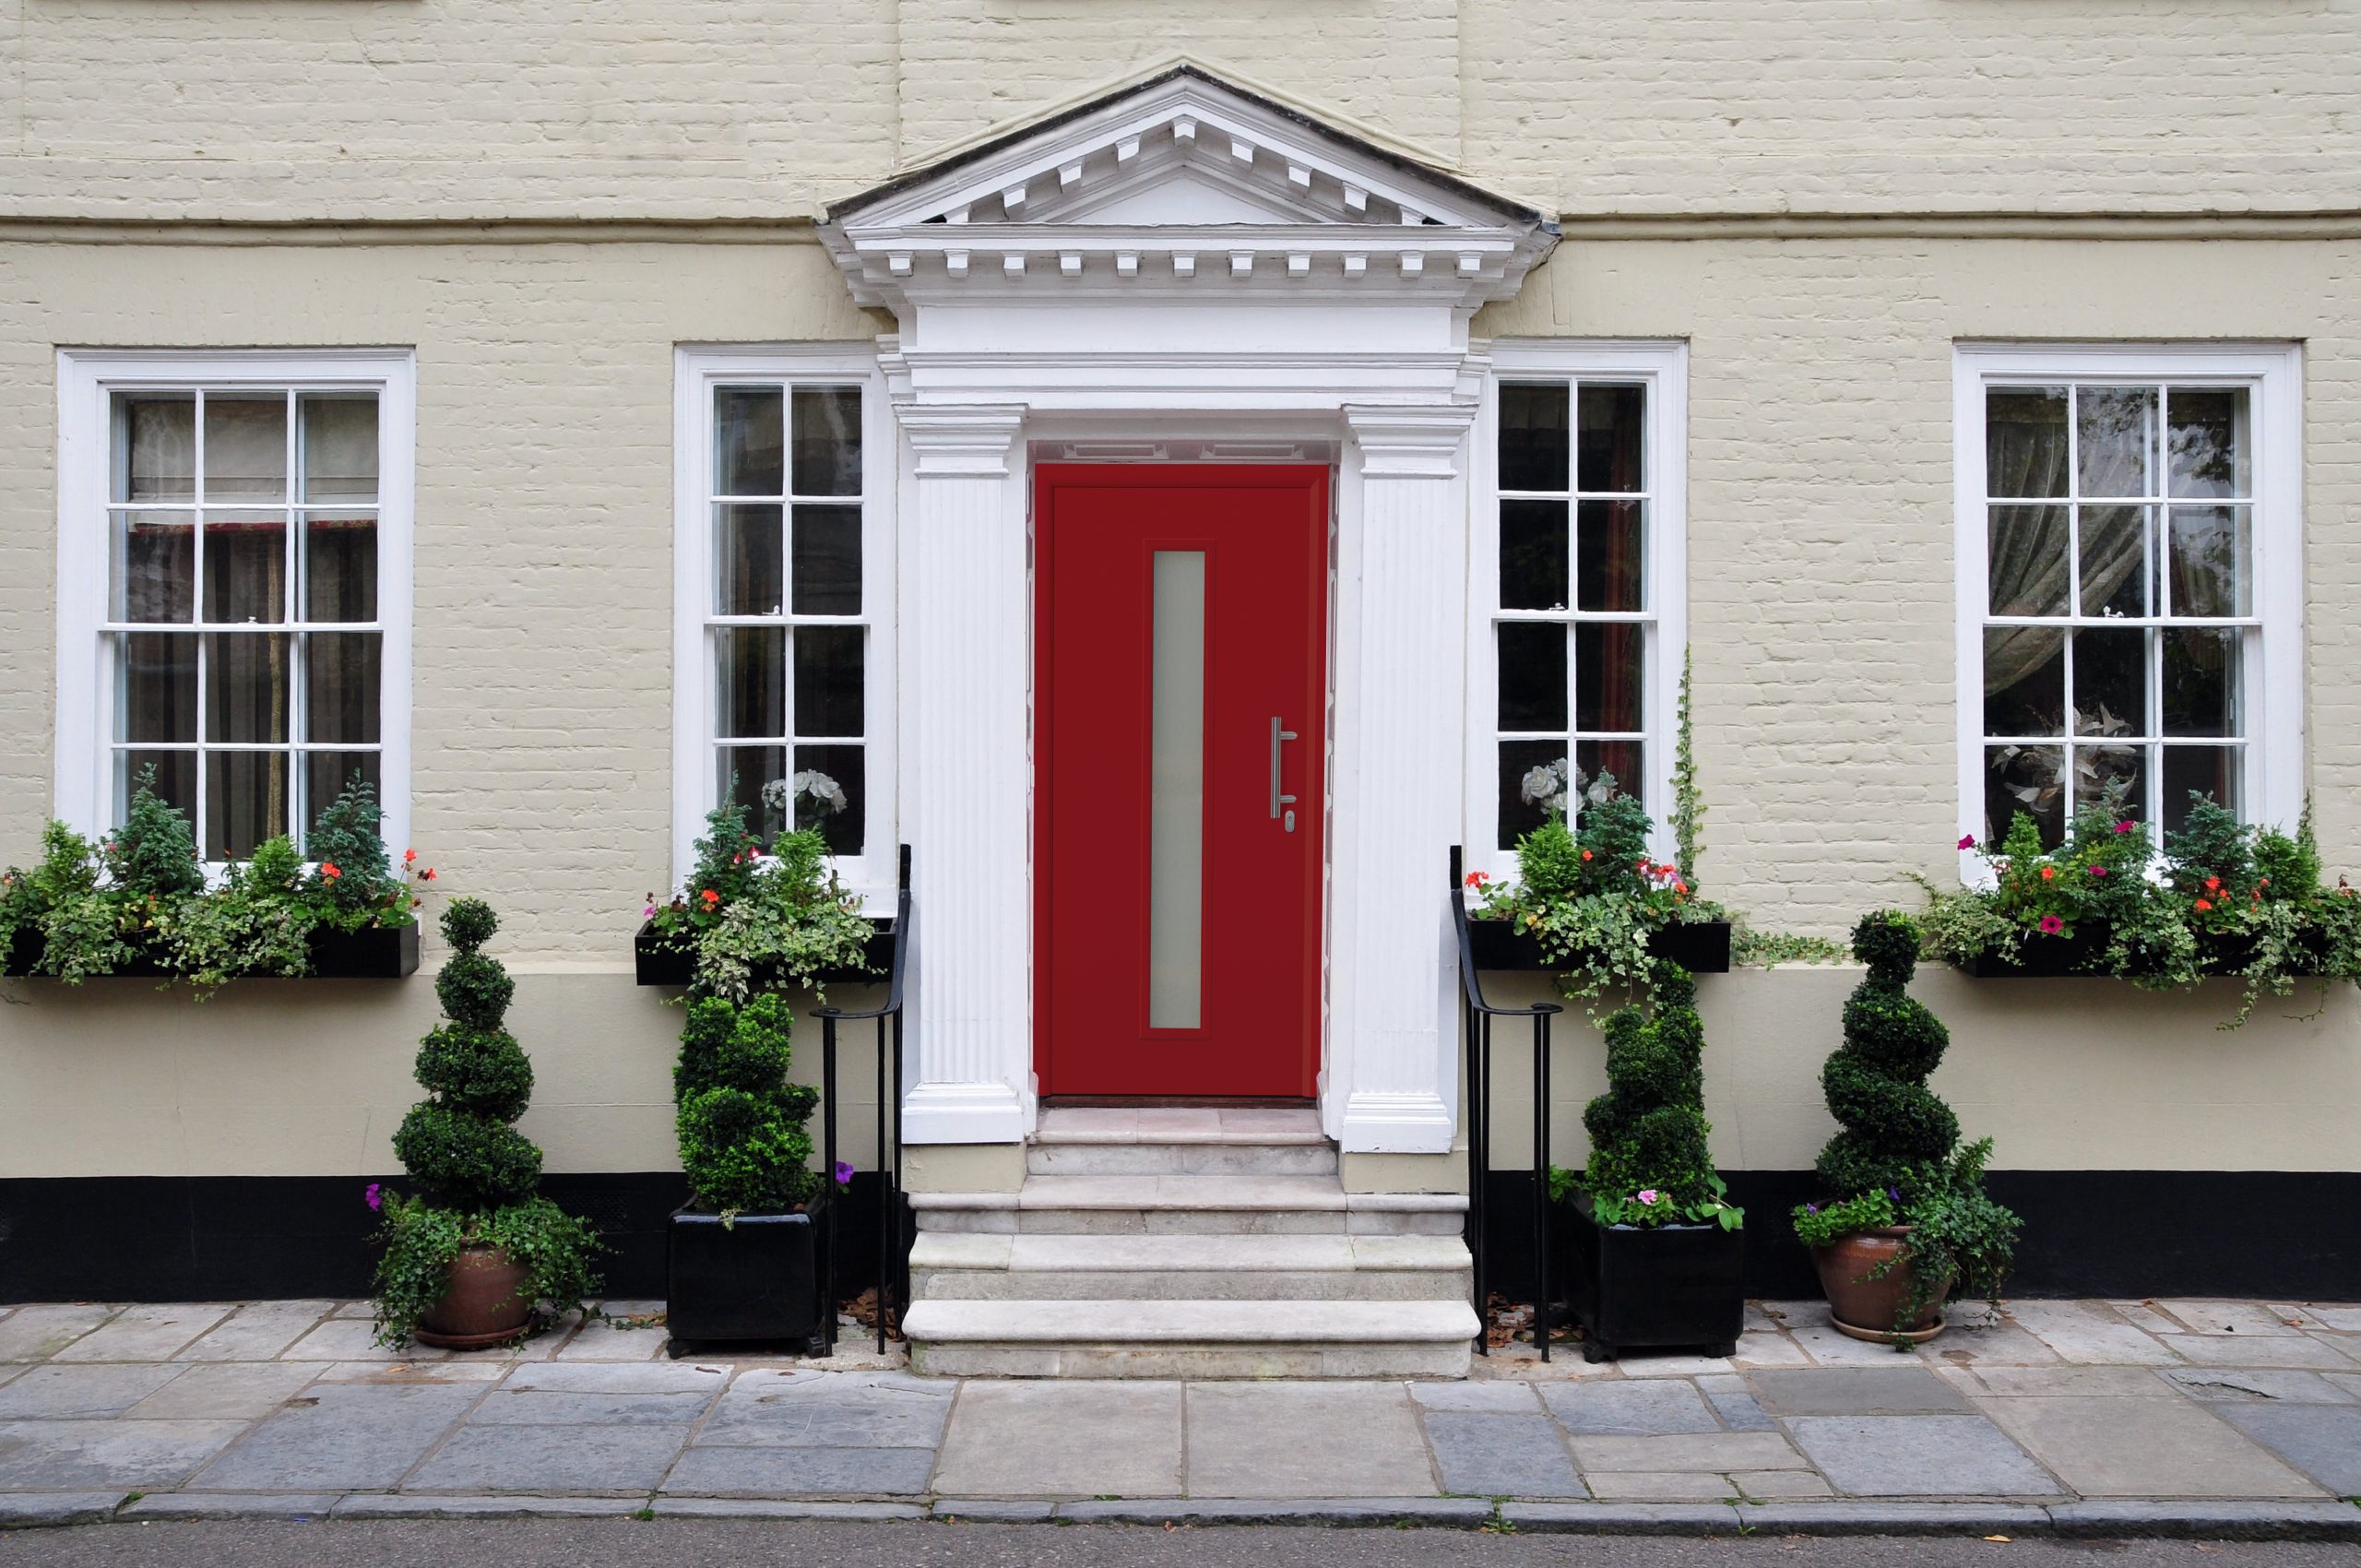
(1179, 1125)
(939, 1250)
(1185, 1194)
(1190, 1323)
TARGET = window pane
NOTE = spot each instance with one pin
(1611, 424)
(2098, 768)
(828, 440)
(746, 548)
(328, 774)
(2208, 440)
(1608, 677)
(827, 560)
(828, 680)
(2024, 681)
(2114, 542)
(245, 568)
(2111, 682)
(1613, 543)
(175, 780)
(748, 447)
(245, 448)
(2025, 557)
(1522, 766)
(2209, 573)
(340, 447)
(2029, 779)
(751, 680)
(1619, 760)
(246, 687)
(1533, 556)
(740, 775)
(2201, 683)
(2204, 770)
(1177, 791)
(2025, 441)
(1533, 675)
(339, 565)
(153, 571)
(155, 456)
(341, 680)
(156, 694)
(1533, 437)
(844, 827)
(245, 802)
(2116, 433)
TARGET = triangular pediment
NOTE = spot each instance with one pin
(1179, 179)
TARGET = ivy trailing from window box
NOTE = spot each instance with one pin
(749, 919)
(2226, 898)
(139, 902)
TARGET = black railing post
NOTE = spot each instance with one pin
(893, 1259)
(828, 1176)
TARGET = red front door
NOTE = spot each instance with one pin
(1182, 620)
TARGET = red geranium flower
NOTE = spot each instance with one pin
(710, 898)
(2204, 905)
(2213, 885)
(328, 869)
(2049, 874)
(410, 857)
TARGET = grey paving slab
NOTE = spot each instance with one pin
(56, 1392)
(534, 1458)
(2087, 1331)
(1994, 1342)
(228, 1391)
(2116, 1382)
(508, 1406)
(2323, 1441)
(1486, 1455)
(1646, 1407)
(149, 1332)
(1735, 1403)
(1498, 1396)
(1664, 1486)
(1717, 1451)
(29, 1509)
(828, 1411)
(38, 1332)
(1064, 1440)
(353, 1339)
(1827, 1347)
(2246, 1385)
(2228, 1317)
(1854, 1391)
(231, 1505)
(1769, 1347)
(2341, 1319)
(2257, 1350)
(1644, 1363)
(70, 1456)
(657, 1377)
(2209, 1520)
(1780, 1484)
(257, 1330)
(345, 1435)
(398, 1373)
(1622, 1518)
(1305, 1440)
(2142, 1448)
(1918, 1456)
(808, 1472)
(599, 1341)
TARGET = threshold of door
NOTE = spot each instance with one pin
(1175, 1102)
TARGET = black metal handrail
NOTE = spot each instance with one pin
(1478, 1014)
(891, 1259)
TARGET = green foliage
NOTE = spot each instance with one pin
(477, 1175)
(747, 914)
(1819, 1225)
(744, 1141)
(1688, 796)
(354, 878)
(155, 850)
(2225, 898)
(1649, 1163)
(1765, 949)
(259, 921)
(88, 928)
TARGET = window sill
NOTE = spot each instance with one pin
(373, 953)
(1702, 948)
(659, 960)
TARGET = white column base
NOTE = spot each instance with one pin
(1396, 1124)
(964, 1113)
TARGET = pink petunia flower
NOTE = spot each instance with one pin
(2125, 826)
(1967, 841)
(2051, 925)
(1647, 1194)
(2098, 870)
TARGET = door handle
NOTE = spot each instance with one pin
(1278, 799)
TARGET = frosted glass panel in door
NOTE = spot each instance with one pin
(1177, 792)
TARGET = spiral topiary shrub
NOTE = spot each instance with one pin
(1876, 1082)
(478, 1177)
(1649, 1163)
(744, 1143)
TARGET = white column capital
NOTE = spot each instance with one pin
(1414, 441)
(971, 440)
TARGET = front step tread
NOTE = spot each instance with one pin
(1274, 1193)
(1186, 1253)
(1188, 1322)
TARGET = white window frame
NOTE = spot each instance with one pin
(2272, 785)
(698, 369)
(1663, 369)
(86, 381)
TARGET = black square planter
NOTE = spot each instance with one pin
(754, 1278)
(2084, 953)
(1701, 947)
(1682, 1284)
(371, 953)
(658, 961)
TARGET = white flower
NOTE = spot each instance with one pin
(823, 790)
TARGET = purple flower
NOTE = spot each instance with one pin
(1967, 841)
(1811, 1208)
(648, 913)
(844, 1173)
(374, 1195)
(1894, 1193)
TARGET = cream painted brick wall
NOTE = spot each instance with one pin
(404, 108)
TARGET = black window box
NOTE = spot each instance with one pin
(660, 961)
(371, 953)
(756, 1278)
(2082, 955)
(1668, 1285)
(1701, 948)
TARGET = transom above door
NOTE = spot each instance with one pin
(1180, 630)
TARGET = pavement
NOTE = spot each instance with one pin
(2216, 1419)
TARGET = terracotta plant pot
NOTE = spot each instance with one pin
(1865, 1306)
(485, 1306)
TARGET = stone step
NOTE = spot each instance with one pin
(1191, 1338)
(1185, 1205)
(952, 1266)
(1182, 1159)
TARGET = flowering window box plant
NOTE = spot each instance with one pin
(2225, 898)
